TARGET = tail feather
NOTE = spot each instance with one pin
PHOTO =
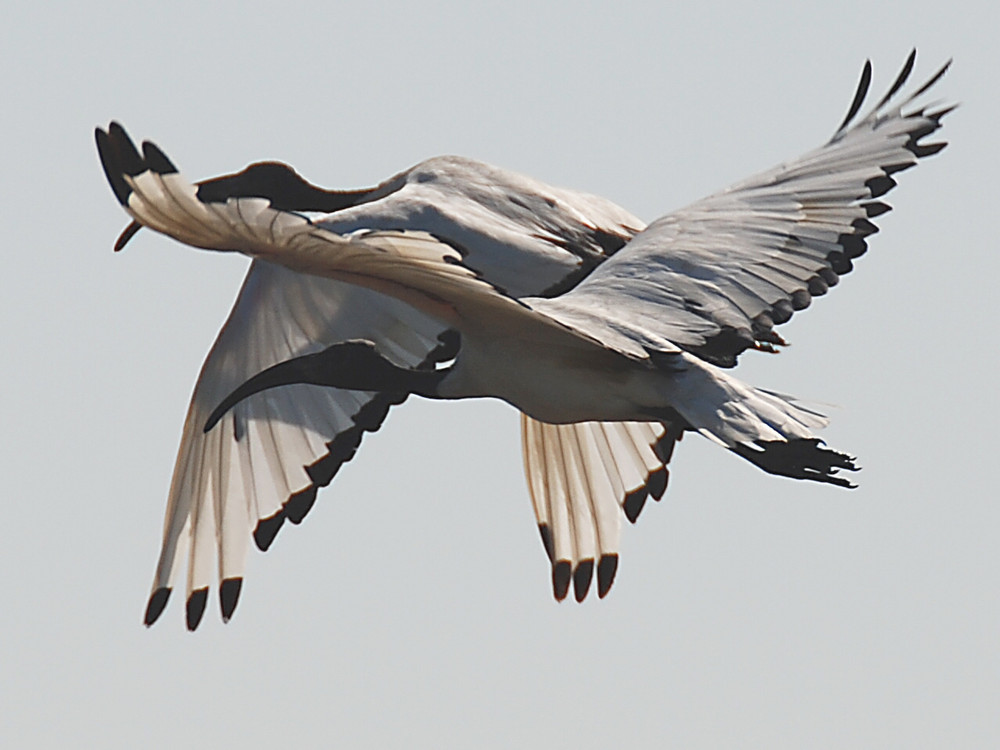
(768, 429)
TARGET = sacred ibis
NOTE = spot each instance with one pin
(456, 279)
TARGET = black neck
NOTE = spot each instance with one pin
(282, 186)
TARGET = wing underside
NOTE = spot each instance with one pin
(262, 465)
(716, 277)
(582, 478)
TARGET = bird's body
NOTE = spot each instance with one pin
(455, 279)
(556, 378)
(526, 237)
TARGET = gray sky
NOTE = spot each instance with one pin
(413, 607)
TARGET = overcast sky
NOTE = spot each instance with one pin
(413, 607)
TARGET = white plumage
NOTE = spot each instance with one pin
(607, 335)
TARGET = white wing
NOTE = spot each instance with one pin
(263, 465)
(715, 277)
(579, 474)
(727, 269)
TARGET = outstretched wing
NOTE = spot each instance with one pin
(717, 276)
(582, 477)
(264, 463)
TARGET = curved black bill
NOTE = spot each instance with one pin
(284, 373)
(354, 365)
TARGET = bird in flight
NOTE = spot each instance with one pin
(456, 279)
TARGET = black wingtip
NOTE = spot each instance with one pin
(157, 603)
(656, 483)
(125, 152)
(634, 501)
(547, 541)
(267, 529)
(926, 149)
(108, 155)
(297, 506)
(127, 234)
(606, 570)
(904, 74)
(933, 79)
(880, 185)
(229, 596)
(859, 97)
(582, 577)
(196, 607)
(664, 447)
(156, 160)
(561, 575)
(875, 208)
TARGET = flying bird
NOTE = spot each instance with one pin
(456, 279)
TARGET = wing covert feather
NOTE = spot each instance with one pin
(717, 276)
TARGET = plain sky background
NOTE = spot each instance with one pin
(413, 607)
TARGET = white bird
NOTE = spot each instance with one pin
(610, 344)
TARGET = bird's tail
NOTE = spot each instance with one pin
(768, 429)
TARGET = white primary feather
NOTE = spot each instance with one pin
(712, 279)
(279, 446)
(250, 478)
(715, 277)
(581, 477)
